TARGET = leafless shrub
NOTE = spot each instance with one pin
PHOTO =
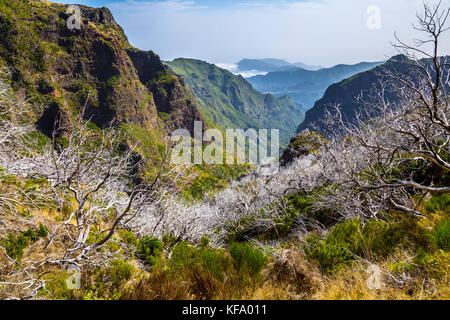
(375, 164)
(95, 174)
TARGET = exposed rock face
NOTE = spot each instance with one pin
(100, 15)
(93, 68)
(147, 63)
(168, 90)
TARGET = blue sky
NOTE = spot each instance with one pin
(318, 32)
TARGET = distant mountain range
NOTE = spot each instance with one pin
(346, 92)
(271, 65)
(230, 101)
(305, 87)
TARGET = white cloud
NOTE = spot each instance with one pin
(233, 68)
(252, 73)
(228, 66)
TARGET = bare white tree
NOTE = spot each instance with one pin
(399, 143)
(96, 174)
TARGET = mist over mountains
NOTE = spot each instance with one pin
(271, 65)
(306, 86)
(345, 94)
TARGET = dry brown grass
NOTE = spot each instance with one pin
(157, 286)
(290, 269)
(352, 286)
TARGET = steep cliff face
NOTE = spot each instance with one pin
(169, 91)
(93, 68)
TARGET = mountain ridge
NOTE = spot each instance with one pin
(270, 65)
(345, 92)
(306, 86)
(231, 101)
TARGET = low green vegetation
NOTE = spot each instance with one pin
(438, 203)
(206, 272)
(15, 244)
(281, 245)
(439, 237)
(213, 178)
(150, 250)
(247, 258)
(352, 240)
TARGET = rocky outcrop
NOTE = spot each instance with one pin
(301, 145)
(169, 91)
(92, 69)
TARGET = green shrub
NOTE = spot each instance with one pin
(330, 256)
(163, 77)
(204, 241)
(186, 258)
(247, 258)
(14, 245)
(121, 271)
(433, 262)
(56, 286)
(150, 249)
(169, 240)
(301, 203)
(347, 234)
(439, 237)
(438, 203)
(379, 238)
(42, 231)
(352, 238)
(182, 256)
(214, 263)
(400, 267)
(128, 237)
(37, 140)
(30, 234)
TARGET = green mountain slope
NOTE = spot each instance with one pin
(230, 101)
(61, 72)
